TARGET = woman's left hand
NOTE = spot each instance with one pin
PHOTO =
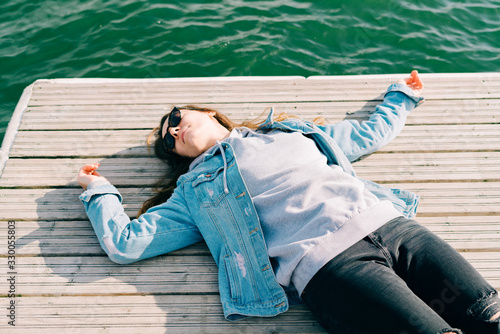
(413, 82)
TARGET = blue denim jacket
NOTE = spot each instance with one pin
(212, 203)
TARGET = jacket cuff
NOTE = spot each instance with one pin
(397, 87)
(100, 187)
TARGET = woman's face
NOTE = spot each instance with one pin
(196, 132)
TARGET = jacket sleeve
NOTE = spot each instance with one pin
(358, 139)
(162, 229)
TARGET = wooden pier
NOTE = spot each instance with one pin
(449, 153)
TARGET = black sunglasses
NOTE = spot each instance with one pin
(173, 120)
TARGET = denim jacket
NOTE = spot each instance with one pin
(212, 203)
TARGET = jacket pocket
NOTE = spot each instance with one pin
(209, 188)
(233, 288)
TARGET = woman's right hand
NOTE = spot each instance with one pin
(88, 174)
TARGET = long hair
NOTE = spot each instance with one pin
(178, 165)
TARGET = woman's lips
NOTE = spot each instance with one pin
(182, 135)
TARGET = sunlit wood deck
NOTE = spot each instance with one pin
(449, 153)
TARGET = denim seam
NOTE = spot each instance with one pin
(382, 248)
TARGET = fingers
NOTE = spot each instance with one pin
(89, 169)
(414, 81)
(92, 166)
(88, 174)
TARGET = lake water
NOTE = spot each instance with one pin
(161, 39)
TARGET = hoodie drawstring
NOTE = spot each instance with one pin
(224, 178)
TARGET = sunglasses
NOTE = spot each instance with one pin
(173, 120)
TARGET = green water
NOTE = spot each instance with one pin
(159, 39)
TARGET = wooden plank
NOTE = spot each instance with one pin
(453, 138)
(466, 233)
(430, 167)
(58, 204)
(60, 238)
(85, 143)
(77, 117)
(13, 127)
(487, 264)
(473, 111)
(80, 143)
(55, 117)
(83, 276)
(77, 238)
(294, 89)
(436, 85)
(280, 89)
(151, 314)
(454, 78)
(40, 276)
(455, 198)
(380, 167)
(438, 199)
(136, 171)
(266, 96)
(61, 204)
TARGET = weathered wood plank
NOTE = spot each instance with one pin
(286, 89)
(39, 276)
(430, 167)
(58, 204)
(13, 127)
(438, 78)
(80, 143)
(85, 143)
(380, 167)
(55, 117)
(45, 276)
(77, 238)
(62, 238)
(62, 172)
(455, 198)
(151, 314)
(438, 199)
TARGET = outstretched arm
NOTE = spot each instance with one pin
(162, 229)
(358, 139)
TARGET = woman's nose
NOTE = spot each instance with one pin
(174, 131)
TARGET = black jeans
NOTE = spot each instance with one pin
(402, 279)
